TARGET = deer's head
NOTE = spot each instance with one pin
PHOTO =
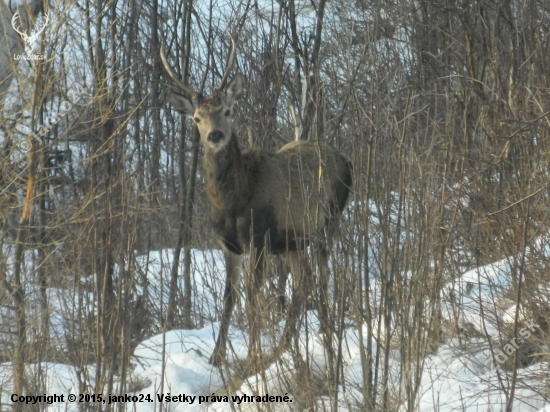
(213, 115)
(16, 24)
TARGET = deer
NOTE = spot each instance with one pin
(263, 203)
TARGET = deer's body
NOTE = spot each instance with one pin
(259, 197)
(264, 202)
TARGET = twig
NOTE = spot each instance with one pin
(519, 201)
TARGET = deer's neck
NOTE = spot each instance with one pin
(227, 184)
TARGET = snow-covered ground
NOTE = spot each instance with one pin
(460, 376)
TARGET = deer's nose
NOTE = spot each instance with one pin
(215, 136)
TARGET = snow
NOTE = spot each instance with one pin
(186, 370)
(475, 293)
(460, 376)
(463, 379)
(477, 297)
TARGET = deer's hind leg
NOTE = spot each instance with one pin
(326, 310)
(323, 291)
(299, 270)
(254, 305)
(325, 313)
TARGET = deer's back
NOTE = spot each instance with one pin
(296, 193)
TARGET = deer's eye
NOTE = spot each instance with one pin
(196, 120)
(228, 113)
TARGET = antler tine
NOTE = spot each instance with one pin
(14, 19)
(186, 90)
(45, 20)
(228, 65)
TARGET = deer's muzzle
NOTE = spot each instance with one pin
(215, 136)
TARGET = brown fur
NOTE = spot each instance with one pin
(290, 196)
(265, 202)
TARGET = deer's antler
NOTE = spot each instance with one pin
(186, 90)
(228, 65)
(14, 22)
(45, 19)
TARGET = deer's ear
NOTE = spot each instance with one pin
(181, 103)
(234, 90)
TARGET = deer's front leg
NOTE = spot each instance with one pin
(232, 278)
(253, 305)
